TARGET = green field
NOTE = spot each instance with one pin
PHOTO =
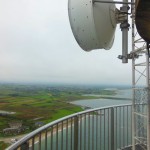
(3, 145)
(40, 102)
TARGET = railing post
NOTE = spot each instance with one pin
(24, 146)
(46, 139)
(76, 133)
(112, 129)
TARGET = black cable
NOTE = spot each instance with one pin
(148, 48)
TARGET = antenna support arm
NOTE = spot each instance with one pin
(114, 2)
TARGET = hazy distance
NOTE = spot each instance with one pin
(37, 45)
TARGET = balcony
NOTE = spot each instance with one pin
(107, 128)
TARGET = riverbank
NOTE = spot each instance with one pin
(35, 104)
(121, 97)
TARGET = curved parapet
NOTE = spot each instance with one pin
(142, 19)
(74, 130)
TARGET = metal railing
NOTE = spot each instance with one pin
(107, 128)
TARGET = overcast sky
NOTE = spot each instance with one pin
(37, 45)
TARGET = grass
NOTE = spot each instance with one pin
(48, 102)
(3, 145)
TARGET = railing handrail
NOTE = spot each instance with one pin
(39, 130)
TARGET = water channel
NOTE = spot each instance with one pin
(90, 138)
(124, 95)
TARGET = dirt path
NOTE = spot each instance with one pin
(8, 139)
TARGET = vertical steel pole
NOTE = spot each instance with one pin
(67, 134)
(39, 141)
(62, 135)
(89, 132)
(104, 128)
(112, 129)
(52, 138)
(148, 102)
(100, 122)
(24, 146)
(76, 133)
(33, 143)
(96, 130)
(85, 137)
(133, 76)
(116, 123)
(81, 132)
(93, 130)
(46, 139)
(71, 135)
(124, 28)
(57, 126)
(133, 104)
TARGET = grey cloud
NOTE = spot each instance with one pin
(36, 44)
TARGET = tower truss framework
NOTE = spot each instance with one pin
(141, 91)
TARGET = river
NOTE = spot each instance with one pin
(124, 95)
(125, 98)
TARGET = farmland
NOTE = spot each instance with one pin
(42, 103)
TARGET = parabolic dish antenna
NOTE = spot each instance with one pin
(93, 23)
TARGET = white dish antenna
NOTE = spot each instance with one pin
(93, 24)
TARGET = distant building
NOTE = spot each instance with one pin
(39, 124)
(15, 124)
(15, 128)
(6, 113)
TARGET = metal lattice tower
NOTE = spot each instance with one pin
(140, 86)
